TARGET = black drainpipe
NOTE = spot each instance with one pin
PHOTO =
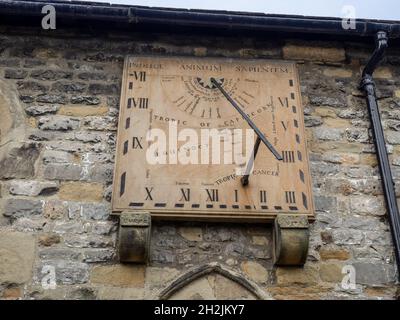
(367, 84)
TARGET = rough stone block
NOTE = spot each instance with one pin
(38, 110)
(17, 254)
(16, 208)
(119, 275)
(62, 123)
(331, 272)
(371, 273)
(20, 162)
(293, 275)
(191, 233)
(75, 111)
(313, 53)
(81, 191)
(255, 271)
(63, 171)
(95, 211)
(32, 188)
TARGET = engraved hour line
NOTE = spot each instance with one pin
(122, 184)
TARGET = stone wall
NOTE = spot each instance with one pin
(59, 97)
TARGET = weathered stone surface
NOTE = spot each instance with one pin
(68, 272)
(86, 100)
(338, 72)
(62, 123)
(68, 87)
(38, 110)
(52, 98)
(16, 208)
(98, 255)
(103, 227)
(15, 74)
(20, 162)
(159, 276)
(298, 292)
(87, 241)
(97, 88)
(368, 205)
(74, 111)
(31, 86)
(63, 171)
(81, 191)
(49, 239)
(55, 156)
(347, 236)
(199, 289)
(55, 209)
(331, 272)
(292, 275)
(191, 233)
(12, 293)
(325, 133)
(119, 275)
(255, 271)
(69, 227)
(51, 75)
(325, 203)
(56, 253)
(95, 211)
(32, 188)
(334, 254)
(17, 253)
(117, 293)
(370, 273)
(316, 53)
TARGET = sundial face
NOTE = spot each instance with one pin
(167, 162)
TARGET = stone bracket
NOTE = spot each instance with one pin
(290, 239)
(134, 236)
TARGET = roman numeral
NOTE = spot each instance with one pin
(284, 101)
(285, 125)
(185, 194)
(139, 75)
(288, 156)
(212, 195)
(137, 142)
(141, 103)
(218, 114)
(148, 192)
(263, 196)
(290, 197)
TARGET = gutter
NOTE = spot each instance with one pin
(368, 86)
(231, 21)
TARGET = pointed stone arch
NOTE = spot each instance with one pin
(198, 272)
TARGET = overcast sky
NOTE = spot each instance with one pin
(373, 9)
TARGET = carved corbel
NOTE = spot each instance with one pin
(290, 239)
(134, 236)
